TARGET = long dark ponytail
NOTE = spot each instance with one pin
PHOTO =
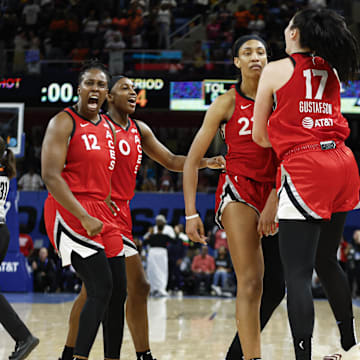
(7, 159)
(325, 33)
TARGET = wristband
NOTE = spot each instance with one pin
(192, 216)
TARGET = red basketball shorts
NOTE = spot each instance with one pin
(66, 233)
(237, 188)
(124, 221)
(314, 184)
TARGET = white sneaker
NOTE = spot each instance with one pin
(352, 354)
(217, 289)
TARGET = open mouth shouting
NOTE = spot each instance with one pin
(132, 101)
(93, 103)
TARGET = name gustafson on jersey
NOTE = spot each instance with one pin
(315, 107)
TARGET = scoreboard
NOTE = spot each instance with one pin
(36, 91)
(154, 93)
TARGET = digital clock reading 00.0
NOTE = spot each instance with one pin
(55, 92)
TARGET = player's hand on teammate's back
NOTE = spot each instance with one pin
(92, 225)
(195, 230)
(216, 162)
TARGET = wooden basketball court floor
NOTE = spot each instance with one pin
(181, 328)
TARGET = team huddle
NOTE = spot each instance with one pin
(286, 171)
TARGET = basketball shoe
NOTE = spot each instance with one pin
(352, 354)
(24, 347)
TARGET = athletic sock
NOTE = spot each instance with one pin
(68, 353)
(144, 355)
(302, 348)
(347, 333)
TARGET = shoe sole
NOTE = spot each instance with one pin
(333, 357)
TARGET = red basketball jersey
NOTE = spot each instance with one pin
(90, 158)
(128, 152)
(244, 157)
(307, 107)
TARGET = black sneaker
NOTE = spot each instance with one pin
(24, 348)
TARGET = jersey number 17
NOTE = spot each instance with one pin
(308, 74)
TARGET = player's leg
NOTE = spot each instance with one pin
(240, 222)
(113, 322)
(334, 279)
(298, 245)
(74, 324)
(96, 275)
(136, 306)
(273, 290)
(25, 341)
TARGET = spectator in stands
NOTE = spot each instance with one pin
(72, 29)
(32, 55)
(80, 52)
(70, 282)
(57, 28)
(160, 222)
(20, 45)
(222, 271)
(164, 18)
(31, 15)
(148, 175)
(257, 23)
(198, 57)
(177, 250)
(343, 252)
(166, 181)
(213, 28)
(203, 267)
(31, 181)
(157, 260)
(26, 245)
(90, 26)
(44, 272)
(115, 46)
(220, 239)
(150, 31)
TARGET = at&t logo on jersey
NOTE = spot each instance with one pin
(309, 123)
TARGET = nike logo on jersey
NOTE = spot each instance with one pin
(134, 130)
(117, 131)
(83, 125)
(243, 107)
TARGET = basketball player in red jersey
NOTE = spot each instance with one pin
(78, 158)
(132, 138)
(245, 197)
(318, 180)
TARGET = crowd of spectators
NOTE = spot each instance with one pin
(186, 268)
(74, 30)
